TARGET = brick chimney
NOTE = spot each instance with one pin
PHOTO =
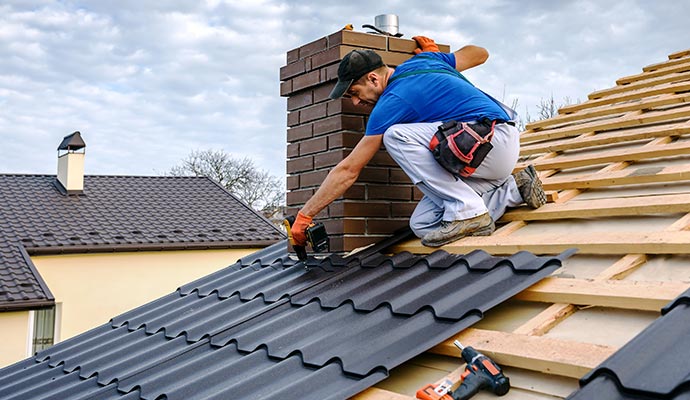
(70, 172)
(321, 132)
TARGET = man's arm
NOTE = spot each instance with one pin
(343, 175)
(470, 56)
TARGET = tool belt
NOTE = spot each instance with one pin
(460, 147)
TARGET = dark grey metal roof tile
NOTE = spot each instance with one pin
(684, 298)
(416, 285)
(224, 373)
(78, 344)
(328, 343)
(354, 339)
(655, 363)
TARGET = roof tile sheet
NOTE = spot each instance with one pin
(269, 328)
(114, 212)
(654, 365)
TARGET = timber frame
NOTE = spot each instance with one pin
(617, 171)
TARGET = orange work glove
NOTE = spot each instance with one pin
(425, 44)
(299, 228)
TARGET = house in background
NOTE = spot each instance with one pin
(76, 250)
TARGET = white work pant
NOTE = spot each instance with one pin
(448, 198)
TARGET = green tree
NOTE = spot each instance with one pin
(258, 188)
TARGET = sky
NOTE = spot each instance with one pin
(147, 82)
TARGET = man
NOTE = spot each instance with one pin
(409, 103)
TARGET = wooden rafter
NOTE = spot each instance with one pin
(552, 356)
(631, 119)
(596, 208)
(553, 243)
(600, 139)
(648, 296)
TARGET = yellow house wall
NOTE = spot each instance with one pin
(90, 289)
(14, 332)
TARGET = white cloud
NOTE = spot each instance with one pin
(146, 82)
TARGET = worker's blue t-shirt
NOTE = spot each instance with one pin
(430, 97)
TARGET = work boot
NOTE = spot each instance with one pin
(530, 188)
(450, 231)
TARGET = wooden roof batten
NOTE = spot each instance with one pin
(647, 117)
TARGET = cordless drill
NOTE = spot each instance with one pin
(316, 234)
(481, 373)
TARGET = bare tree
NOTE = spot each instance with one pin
(256, 187)
(546, 109)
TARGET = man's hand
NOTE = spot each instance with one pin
(299, 228)
(425, 44)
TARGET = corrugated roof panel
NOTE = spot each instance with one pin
(224, 373)
(328, 342)
(353, 338)
(655, 363)
(415, 285)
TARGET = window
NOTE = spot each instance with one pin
(44, 329)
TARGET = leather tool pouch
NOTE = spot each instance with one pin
(461, 147)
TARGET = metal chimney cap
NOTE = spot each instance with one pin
(72, 142)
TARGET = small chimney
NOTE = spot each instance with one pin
(71, 163)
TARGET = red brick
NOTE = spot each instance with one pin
(382, 159)
(389, 192)
(285, 88)
(375, 175)
(340, 226)
(385, 226)
(292, 56)
(292, 70)
(345, 106)
(330, 72)
(300, 100)
(343, 139)
(300, 164)
(292, 182)
(313, 113)
(358, 39)
(315, 145)
(293, 118)
(313, 178)
(299, 132)
(299, 196)
(325, 57)
(408, 45)
(321, 92)
(360, 209)
(337, 123)
(291, 210)
(292, 150)
(402, 209)
(329, 159)
(306, 80)
(417, 194)
(313, 47)
(355, 192)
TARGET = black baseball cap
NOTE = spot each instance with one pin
(353, 66)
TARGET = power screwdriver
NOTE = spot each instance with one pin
(316, 234)
(481, 373)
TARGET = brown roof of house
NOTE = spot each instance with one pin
(114, 213)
